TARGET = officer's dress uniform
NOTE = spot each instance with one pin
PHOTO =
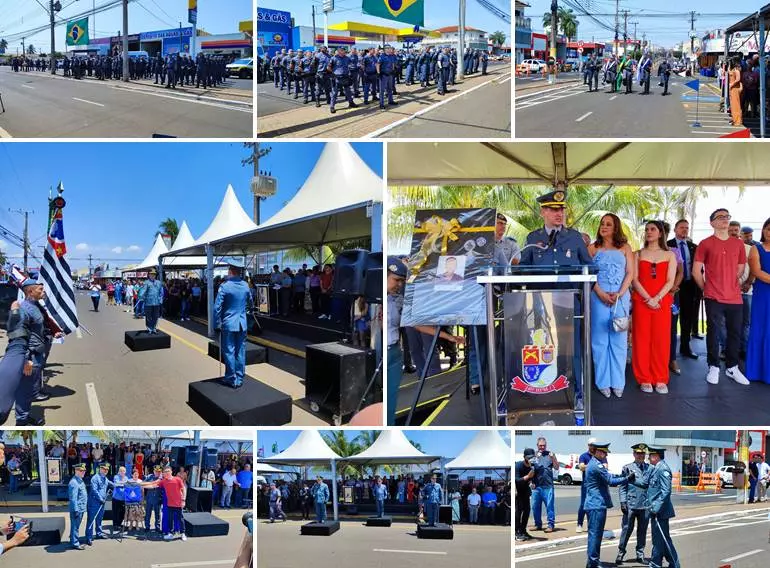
(661, 510)
(78, 504)
(230, 307)
(26, 342)
(598, 481)
(320, 492)
(380, 493)
(355, 73)
(634, 497)
(96, 500)
(152, 295)
(431, 498)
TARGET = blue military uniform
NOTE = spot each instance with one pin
(661, 510)
(96, 500)
(285, 73)
(296, 72)
(444, 62)
(354, 72)
(320, 493)
(230, 307)
(634, 504)
(78, 505)
(369, 64)
(153, 500)
(152, 295)
(598, 482)
(387, 66)
(484, 62)
(322, 77)
(340, 68)
(431, 498)
(380, 493)
(410, 60)
(308, 76)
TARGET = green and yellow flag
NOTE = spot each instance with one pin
(407, 11)
(77, 32)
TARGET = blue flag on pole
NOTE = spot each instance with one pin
(694, 84)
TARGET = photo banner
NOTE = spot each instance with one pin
(539, 350)
(450, 249)
(53, 466)
(407, 11)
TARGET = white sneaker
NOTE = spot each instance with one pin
(646, 387)
(618, 392)
(184, 537)
(168, 536)
(579, 529)
(661, 388)
(606, 392)
(713, 375)
(735, 374)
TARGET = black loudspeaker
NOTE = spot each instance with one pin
(350, 272)
(191, 456)
(205, 524)
(453, 482)
(440, 531)
(373, 285)
(336, 376)
(45, 532)
(177, 457)
(445, 514)
(199, 500)
(209, 457)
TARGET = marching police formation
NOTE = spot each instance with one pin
(621, 72)
(369, 73)
(174, 70)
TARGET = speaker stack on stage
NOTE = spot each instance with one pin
(205, 524)
(145, 341)
(192, 455)
(379, 521)
(440, 531)
(210, 457)
(255, 354)
(199, 499)
(445, 514)
(327, 528)
(44, 532)
(253, 403)
(178, 456)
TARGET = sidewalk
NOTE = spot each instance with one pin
(311, 121)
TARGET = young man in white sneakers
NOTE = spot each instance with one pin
(717, 268)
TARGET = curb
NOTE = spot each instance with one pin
(529, 87)
(616, 532)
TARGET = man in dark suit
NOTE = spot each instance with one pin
(689, 295)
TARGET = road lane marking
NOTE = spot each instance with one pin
(744, 555)
(93, 404)
(88, 102)
(4, 133)
(225, 106)
(586, 115)
(186, 564)
(613, 97)
(191, 345)
(27, 87)
(409, 551)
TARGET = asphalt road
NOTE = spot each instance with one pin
(569, 111)
(200, 552)
(242, 84)
(280, 545)
(40, 105)
(739, 542)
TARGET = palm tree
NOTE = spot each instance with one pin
(339, 443)
(329, 253)
(568, 22)
(31, 50)
(498, 38)
(168, 227)
(3, 45)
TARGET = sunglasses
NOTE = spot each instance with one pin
(722, 218)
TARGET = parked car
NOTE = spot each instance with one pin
(533, 65)
(725, 474)
(569, 475)
(243, 68)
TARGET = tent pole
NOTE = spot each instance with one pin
(334, 490)
(762, 77)
(376, 227)
(196, 470)
(42, 471)
(725, 88)
(210, 288)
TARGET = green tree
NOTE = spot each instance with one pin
(168, 227)
(498, 38)
(329, 253)
(31, 50)
(568, 23)
(3, 45)
(339, 442)
(3, 260)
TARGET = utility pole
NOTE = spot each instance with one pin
(692, 32)
(625, 31)
(26, 234)
(53, 39)
(125, 41)
(23, 48)
(257, 152)
(314, 32)
(90, 266)
(617, 25)
(461, 39)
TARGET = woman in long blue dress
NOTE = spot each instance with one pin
(758, 351)
(610, 298)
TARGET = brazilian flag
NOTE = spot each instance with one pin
(77, 32)
(407, 11)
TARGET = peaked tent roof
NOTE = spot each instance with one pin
(487, 450)
(392, 447)
(151, 260)
(267, 468)
(308, 448)
(183, 240)
(330, 206)
(231, 219)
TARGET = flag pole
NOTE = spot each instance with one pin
(696, 124)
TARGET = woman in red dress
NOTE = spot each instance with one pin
(651, 310)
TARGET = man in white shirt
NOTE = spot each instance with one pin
(97, 453)
(228, 480)
(57, 451)
(474, 501)
(763, 479)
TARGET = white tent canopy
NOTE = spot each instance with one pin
(231, 219)
(215, 435)
(487, 450)
(392, 447)
(151, 260)
(309, 448)
(268, 469)
(183, 240)
(628, 163)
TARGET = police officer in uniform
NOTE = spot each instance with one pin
(339, 67)
(355, 71)
(307, 70)
(322, 76)
(386, 66)
(275, 63)
(152, 294)
(296, 72)
(286, 77)
(664, 72)
(593, 73)
(661, 510)
(484, 62)
(634, 505)
(410, 61)
(598, 482)
(645, 70)
(369, 67)
(153, 498)
(444, 63)
(232, 302)
(431, 499)
(97, 497)
(78, 504)
(320, 493)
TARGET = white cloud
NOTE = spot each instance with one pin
(117, 250)
(81, 246)
(133, 248)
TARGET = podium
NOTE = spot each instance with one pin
(546, 369)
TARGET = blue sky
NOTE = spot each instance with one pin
(438, 14)
(17, 16)
(445, 443)
(117, 193)
(661, 31)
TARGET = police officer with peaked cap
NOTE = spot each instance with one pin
(661, 510)
(97, 498)
(634, 505)
(230, 319)
(598, 481)
(77, 495)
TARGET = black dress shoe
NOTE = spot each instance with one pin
(640, 560)
(695, 336)
(42, 397)
(619, 558)
(689, 354)
(31, 422)
(410, 369)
